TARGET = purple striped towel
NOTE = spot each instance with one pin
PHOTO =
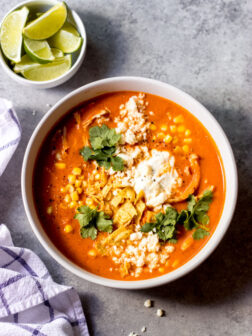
(31, 303)
(10, 132)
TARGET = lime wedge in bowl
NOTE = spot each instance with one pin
(11, 34)
(25, 63)
(66, 39)
(49, 71)
(47, 24)
(39, 51)
(57, 53)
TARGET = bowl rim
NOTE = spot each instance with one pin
(199, 257)
(61, 79)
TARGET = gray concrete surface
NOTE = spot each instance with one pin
(205, 48)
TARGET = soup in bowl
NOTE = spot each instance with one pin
(128, 185)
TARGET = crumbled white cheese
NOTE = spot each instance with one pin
(156, 177)
(143, 329)
(147, 303)
(160, 313)
(132, 123)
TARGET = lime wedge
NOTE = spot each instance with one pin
(49, 71)
(39, 51)
(66, 39)
(11, 34)
(57, 53)
(27, 63)
(47, 24)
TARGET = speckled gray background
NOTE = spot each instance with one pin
(205, 48)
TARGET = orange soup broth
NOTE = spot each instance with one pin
(48, 180)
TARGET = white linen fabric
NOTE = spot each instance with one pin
(31, 303)
(10, 133)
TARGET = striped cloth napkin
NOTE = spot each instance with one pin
(31, 303)
(10, 132)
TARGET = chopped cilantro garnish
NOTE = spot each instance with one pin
(91, 221)
(164, 225)
(194, 217)
(103, 142)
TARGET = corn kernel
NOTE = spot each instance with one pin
(84, 184)
(49, 210)
(62, 189)
(164, 128)
(75, 196)
(154, 138)
(89, 202)
(68, 228)
(92, 253)
(153, 127)
(186, 149)
(71, 179)
(58, 156)
(187, 132)
(175, 140)
(60, 165)
(160, 135)
(186, 243)
(181, 128)
(77, 183)
(161, 269)
(81, 177)
(80, 203)
(173, 128)
(168, 138)
(177, 149)
(97, 176)
(73, 204)
(175, 263)
(79, 190)
(187, 141)
(178, 119)
(70, 188)
(67, 198)
(76, 171)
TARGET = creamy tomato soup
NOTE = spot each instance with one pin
(129, 186)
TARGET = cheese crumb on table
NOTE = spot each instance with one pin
(160, 313)
(143, 329)
(147, 303)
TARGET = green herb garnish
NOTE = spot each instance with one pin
(91, 221)
(103, 142)
(194, 217)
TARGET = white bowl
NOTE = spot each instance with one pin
(78, 56)
(129, 84)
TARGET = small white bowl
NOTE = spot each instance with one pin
(78, 56)
(129, 84)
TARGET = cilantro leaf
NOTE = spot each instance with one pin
(103, 142)
(104, 223)
(85, 215)
(86, 152)
(200, 233)
(103, 136)
(191, 218)
(164, 224)
(89, 232)
(147, 227)
(91, 221)
(117, 163)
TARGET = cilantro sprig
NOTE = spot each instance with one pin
(103, 142)
(194, 217)
(91, 221)
(164, 225)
